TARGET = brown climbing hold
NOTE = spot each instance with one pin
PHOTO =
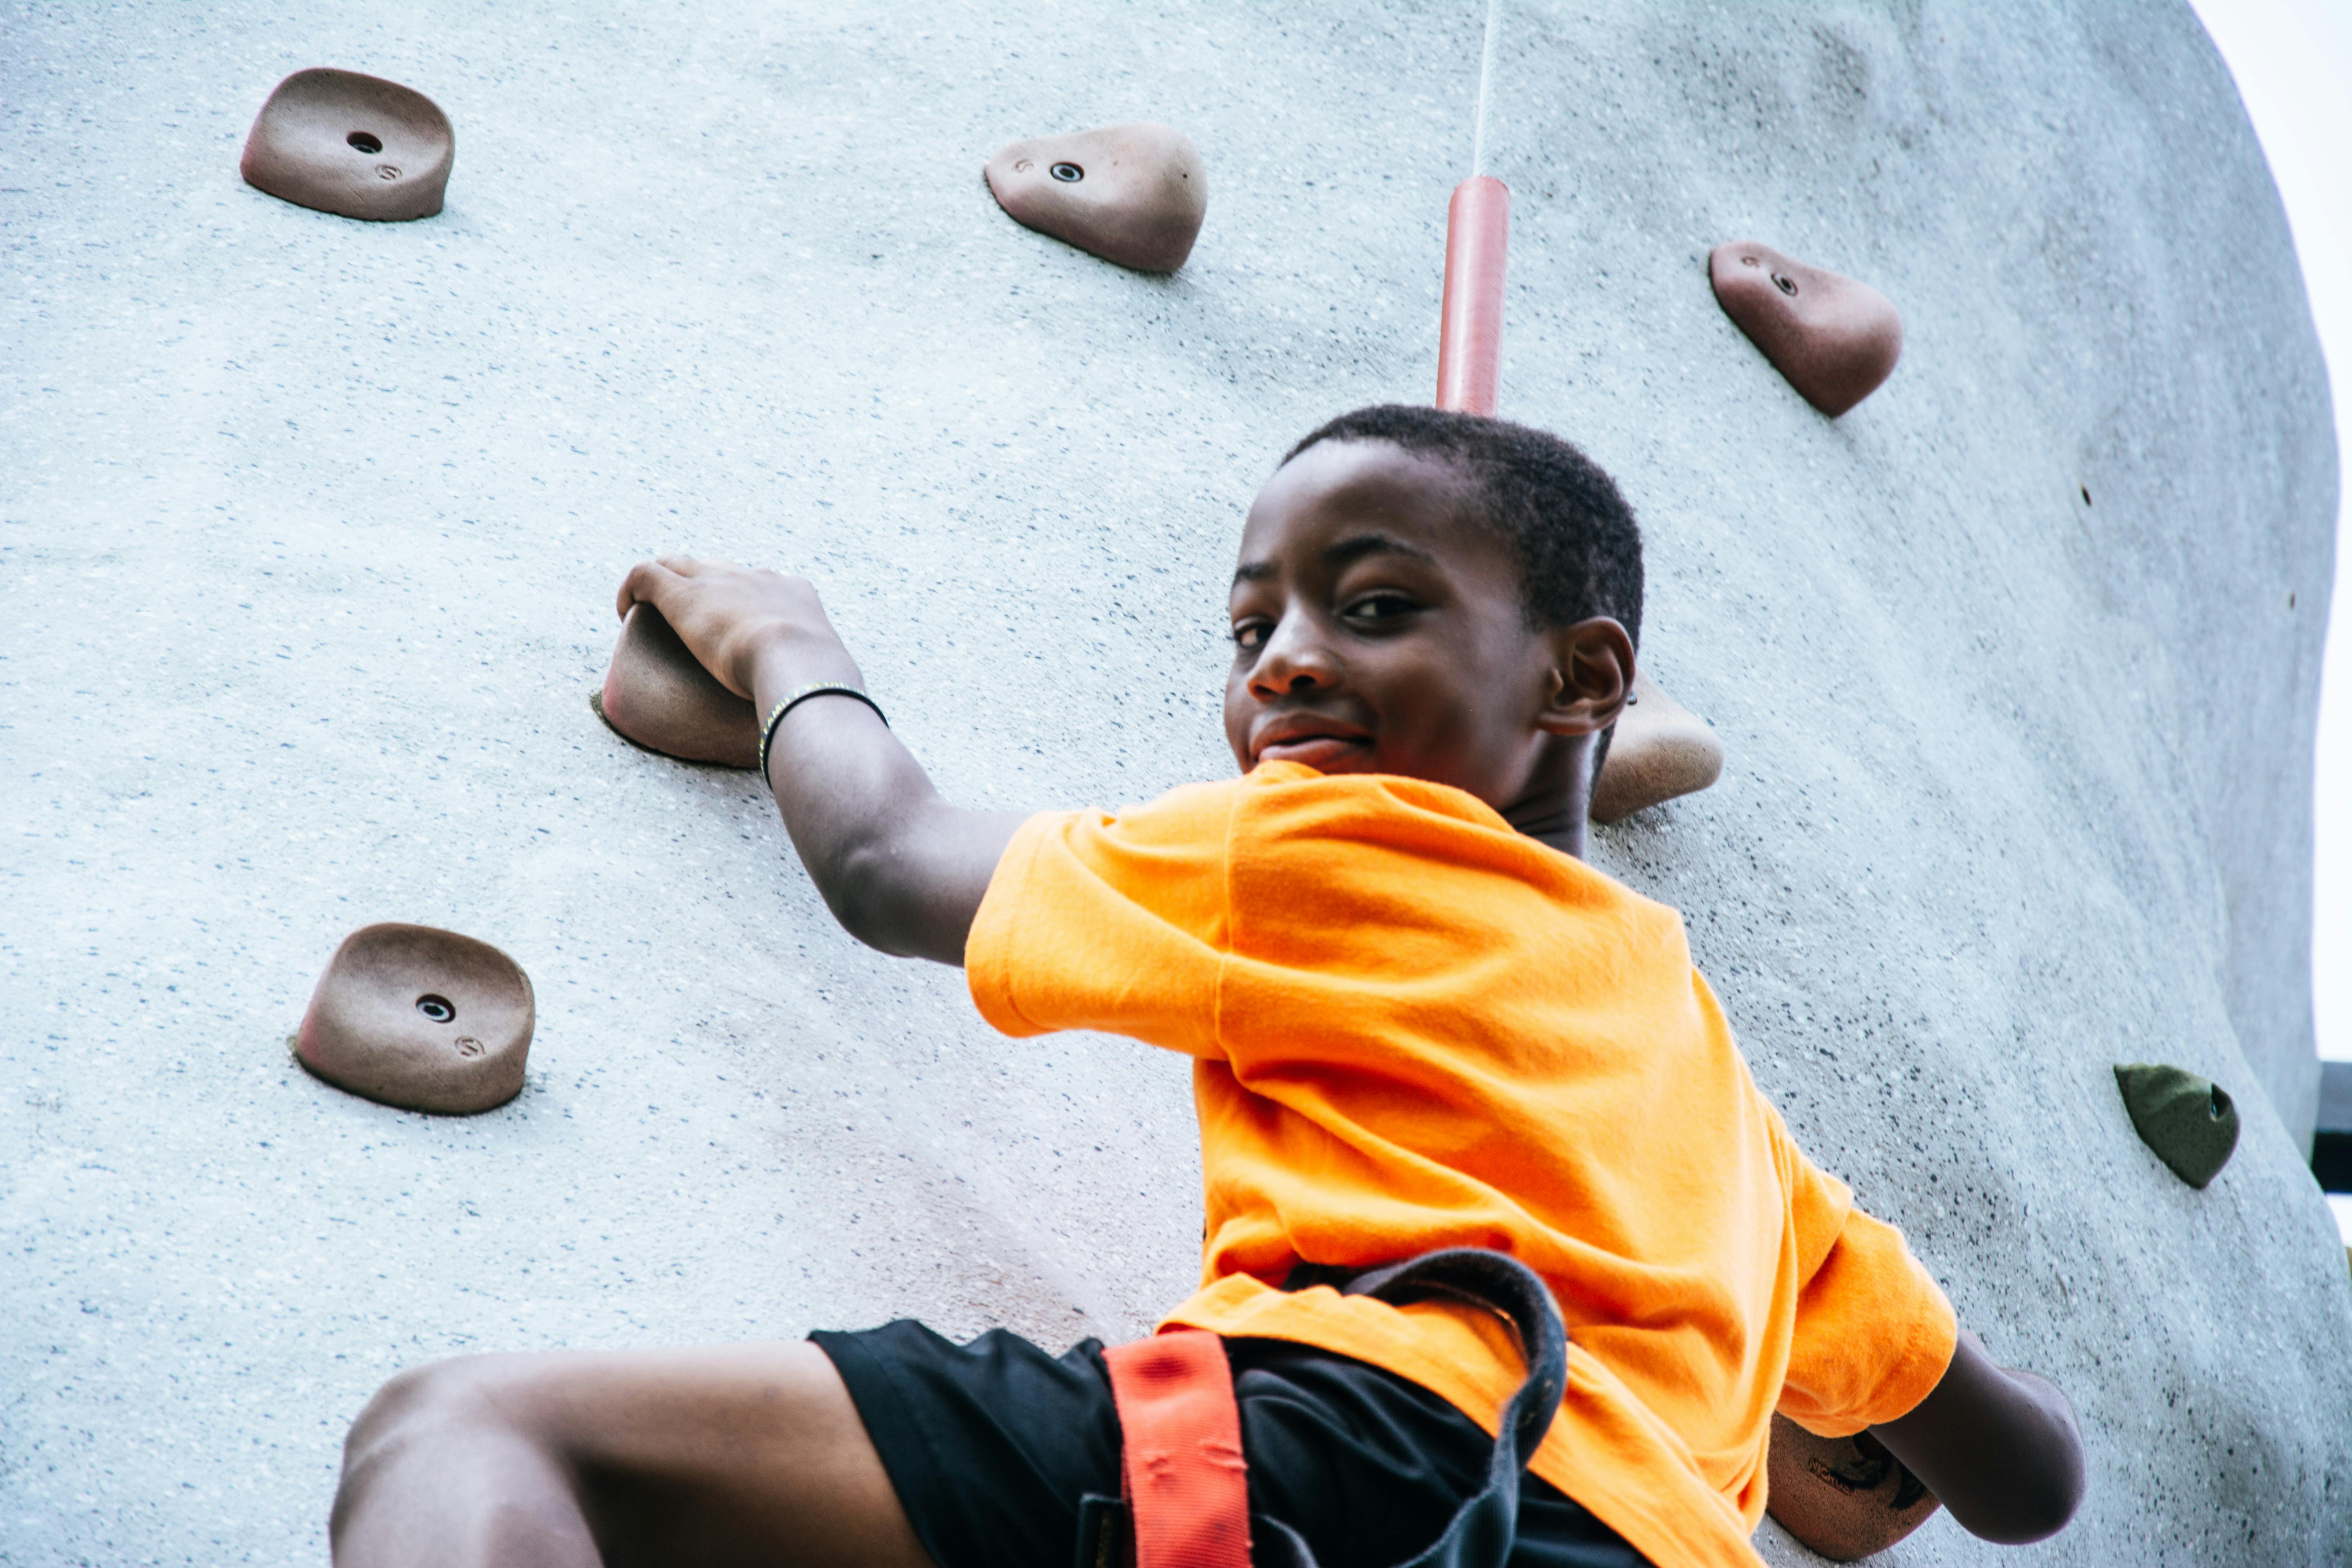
(658, 695)
(1131, 194)
(1833, 339)
(1844, 1497)
(1660, 750)
(424, 1019)
(353, 144)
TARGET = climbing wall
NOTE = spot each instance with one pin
(310, 528)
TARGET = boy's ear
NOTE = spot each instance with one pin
(1591, 676)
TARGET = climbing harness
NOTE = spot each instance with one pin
(1183, 1473)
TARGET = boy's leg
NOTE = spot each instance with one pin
(715, 1456)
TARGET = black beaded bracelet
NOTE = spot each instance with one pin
(794, 699)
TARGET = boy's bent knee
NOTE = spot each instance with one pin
(443, 1404)
(453, 1464)
(441, 1393)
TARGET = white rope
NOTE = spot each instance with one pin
(1485, 80)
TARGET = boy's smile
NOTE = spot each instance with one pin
(1378, 626)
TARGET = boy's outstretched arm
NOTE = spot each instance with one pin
(1998, 1447)
(901, 868)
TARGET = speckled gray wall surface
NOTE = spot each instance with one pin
(310, 529)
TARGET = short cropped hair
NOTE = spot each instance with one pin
(1578, 548)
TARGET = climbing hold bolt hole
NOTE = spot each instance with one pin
(1786, 285)
(2290, 598)
(1069, 173)
(366, 144)
(2087, 494)
(437, 1008)
(2218, 1106)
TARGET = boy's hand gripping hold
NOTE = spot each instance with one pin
(901, 867)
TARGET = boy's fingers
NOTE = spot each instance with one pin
(696, 566)
(644, 584)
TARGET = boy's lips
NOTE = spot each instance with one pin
(1307, 738)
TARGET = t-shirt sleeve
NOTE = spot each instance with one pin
(1873, 1331)
(1097, 921)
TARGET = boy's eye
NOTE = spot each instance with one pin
(1373, 608)
(1250, 634)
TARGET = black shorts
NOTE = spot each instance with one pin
(991, 1445)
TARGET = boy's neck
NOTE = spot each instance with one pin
(1558, 822)
(1554, 809)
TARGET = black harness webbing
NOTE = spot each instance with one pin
(1484, 1527)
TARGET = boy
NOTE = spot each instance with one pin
(1418, 1021)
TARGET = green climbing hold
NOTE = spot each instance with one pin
(2189, 1121)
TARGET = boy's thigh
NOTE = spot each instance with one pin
(992, 1444)
(748, 1453)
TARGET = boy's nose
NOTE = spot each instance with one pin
(1293, 659)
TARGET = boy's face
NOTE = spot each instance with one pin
(1377, 628)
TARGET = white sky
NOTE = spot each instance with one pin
(2292, 60)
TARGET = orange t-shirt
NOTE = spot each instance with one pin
(1413, 1027)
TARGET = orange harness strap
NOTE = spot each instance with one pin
(1187, 1484)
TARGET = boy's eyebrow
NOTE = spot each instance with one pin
(1363, 545)
(1340, 554)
